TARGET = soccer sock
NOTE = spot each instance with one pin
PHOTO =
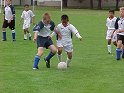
(50, 55)
(109, 48)
(36, 61)
(4, 35)
(68, 61)
(60, 57)
(13, 34)
(118, 53)
(29, 34)
(25, 36)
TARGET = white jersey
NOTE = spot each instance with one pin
(27, 16)
(121, 25)
(110, 23)
(66, 33)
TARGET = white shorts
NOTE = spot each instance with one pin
(109, 34)
(25, 26)
(114, 38)
(67, 47)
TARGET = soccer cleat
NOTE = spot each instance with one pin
(35, 68)
(3, 39)
(25, 39)
(30, 38)
(47, 63)
(14, 40)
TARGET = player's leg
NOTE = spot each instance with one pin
(12, 27)
(114, 39)
(37, 57)
(29, 34)
(69, 57)
(53, 51)
(5, 25)
(69, 50)
(59, 50)
(25, 35)
(119, 47)
(109, 46)
(49, 44)
(108, 38)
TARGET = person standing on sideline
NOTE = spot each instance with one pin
(9, 20)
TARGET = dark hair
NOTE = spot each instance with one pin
(26, 5)
(64, 17)
(113, 11)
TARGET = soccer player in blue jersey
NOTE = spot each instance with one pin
(9, 20)
(119, 25)
(42, 33)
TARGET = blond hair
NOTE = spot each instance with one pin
(121, 8)
(46, 16)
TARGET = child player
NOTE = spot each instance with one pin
(42, 33)
(28, 17)
(9, 20)
(110, 35)
(66, 30)
(120, 35)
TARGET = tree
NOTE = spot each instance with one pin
(99, 4)
(65, 3)
(91, 4)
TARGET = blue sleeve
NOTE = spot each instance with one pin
(12, 9)
(38, 26)
(52, 25)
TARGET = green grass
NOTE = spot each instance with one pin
(92, 69)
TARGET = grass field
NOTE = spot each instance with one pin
(92, 70)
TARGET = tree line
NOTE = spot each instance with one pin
(99, 6)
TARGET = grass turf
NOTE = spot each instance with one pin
(92, 70)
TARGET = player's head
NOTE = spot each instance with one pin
(122, 12)
(111, 13)
(8, 2)
(64, 19)
(46, 18)
(26, 6)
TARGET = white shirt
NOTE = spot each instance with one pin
(121, 25)
(8, 13)
(110, 23)
(66, 33)
(27, 16)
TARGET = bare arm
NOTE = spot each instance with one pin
(35, 36)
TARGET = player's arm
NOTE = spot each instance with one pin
(33, 18)
(75, 32)
(13, 14)
(37, 29)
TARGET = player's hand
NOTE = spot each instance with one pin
(34, 40)
(9, 21)
(60, 36)
(80, 38)
(118, 31)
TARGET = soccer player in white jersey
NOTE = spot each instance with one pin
(66, 30)
(110, 35)
(28, 17)
(120, 35)
(42, 33)
(9, 20)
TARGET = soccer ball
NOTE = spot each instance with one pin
(62, 66)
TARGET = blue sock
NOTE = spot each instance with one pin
(118, 53)
(36, 61)
(13, 34)
(4, 35)
(50, 55)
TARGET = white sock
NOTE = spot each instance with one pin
(29, 34)
(60, 58)
(68, 61)
(109, 49)
(25, 36)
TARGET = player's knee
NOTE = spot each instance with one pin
(54, 50)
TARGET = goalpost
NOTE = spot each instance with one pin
(2, 3)
(48, 0)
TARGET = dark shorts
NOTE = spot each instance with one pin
(120, 37)
(11, 25)
(44, 42)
